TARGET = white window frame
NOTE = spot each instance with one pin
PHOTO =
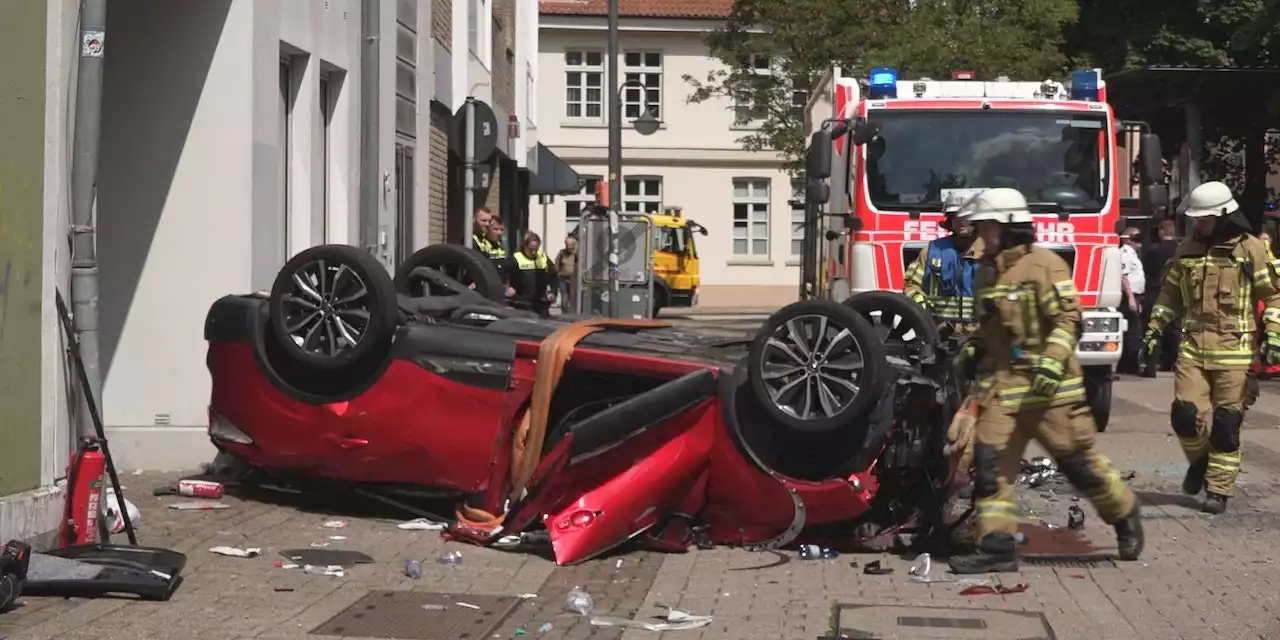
(480, 31)
(585, 70)
(586, 194)
(752, 203)
(642, 202)
(743, 106)
(797, 217)
(635, 66)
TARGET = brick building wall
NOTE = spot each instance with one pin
(438, 135)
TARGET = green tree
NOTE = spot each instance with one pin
(802, 39)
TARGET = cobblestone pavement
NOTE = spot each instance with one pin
(1200, 576)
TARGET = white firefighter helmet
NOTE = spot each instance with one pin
(1003, 205)
(1211, 199)
(953, 204)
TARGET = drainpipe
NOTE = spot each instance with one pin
(84, 174)
(370, 104)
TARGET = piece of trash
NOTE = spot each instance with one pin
(814, 552)
(452, 558)
(468, 605)
(853, 563)
(421, 524)
(1077, 576)
(1129, 475)
(578, 601)
(618, 564)
(325, 570)
(520, 631)
(319, 545)
(873, 568)
(527, 596)
(413, 569)
(115, 523)
(546, 626)
(1075, 518)
(236, 552)
(137, 472)
(198, 506)
(984, 590)
(283, 589)
(1020, 538)
(337, 537)
(285, 565)
(334, 524)
(921, 568)
(434, 607)
(675, 620)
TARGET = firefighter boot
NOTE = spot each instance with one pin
(1214, 503)
(1193, 482)
(1129, 537)
(996, 553)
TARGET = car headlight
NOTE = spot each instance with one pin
(1102, 325)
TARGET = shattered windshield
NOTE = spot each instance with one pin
(920, 157)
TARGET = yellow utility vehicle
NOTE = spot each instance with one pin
(675, 259)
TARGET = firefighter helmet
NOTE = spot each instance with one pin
(953, 203)
(1211, 199)
(1003, 205)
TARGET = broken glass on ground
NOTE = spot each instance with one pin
(674, 620)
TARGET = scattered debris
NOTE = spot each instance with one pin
(283, 589)
(337, 537)
(546, 627)
(413, 569)
(452, 558)
(527, 596)
(1075, 518)
(814, 552)
(578, 601)
(999, 589)
(236, 552)
(285, 565)
(198, 506)
(674, 620)
(873, 568)
(468, 605)
(206, 489)
(326, 557)
(421, 524)
(334, 524)
(325, 570)
(618, 564)
(520, 631)
(433, 607)
(921, 567)
(115, 523)
(319, 545)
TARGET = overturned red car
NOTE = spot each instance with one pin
(828, 425)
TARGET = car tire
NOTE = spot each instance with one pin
(308, 316)
(464, 264)
(903, 325)
(822, 399)
(1097, 390)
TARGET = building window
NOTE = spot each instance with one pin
(797, 217)
(327, 99)
(478, 17)
(642, 195)
(745, 110)
(751, 217)
(285, 142)
(584, 84)
(573, 205)
(642, 70)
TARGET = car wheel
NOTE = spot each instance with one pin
(464, 265)
(815, 365)
(1097, 388)
(903, 326)
(333, 307)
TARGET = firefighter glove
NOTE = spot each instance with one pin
(1273, 347)
(966, 361)
(1046, 377)
(1149, 343)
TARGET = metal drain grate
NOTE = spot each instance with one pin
(942, 623)
(415, 615)
(1070, 562)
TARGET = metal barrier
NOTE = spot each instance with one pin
(634, 265)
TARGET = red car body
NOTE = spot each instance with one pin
(444, 411)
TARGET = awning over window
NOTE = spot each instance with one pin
(554, 177)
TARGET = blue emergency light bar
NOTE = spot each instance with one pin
(1084, 85)
(884, 83)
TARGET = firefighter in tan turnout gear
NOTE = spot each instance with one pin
(1029, 386)
(1213, 284)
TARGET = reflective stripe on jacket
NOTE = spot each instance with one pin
(944, 281)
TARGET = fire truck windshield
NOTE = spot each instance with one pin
(1059, 161)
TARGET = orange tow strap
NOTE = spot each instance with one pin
(553, 355)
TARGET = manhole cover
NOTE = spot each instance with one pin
(415, 615)
(870, 622)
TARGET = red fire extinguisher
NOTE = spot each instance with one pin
(84, 493)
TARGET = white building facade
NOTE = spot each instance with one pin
(694, 161)
(235, 134)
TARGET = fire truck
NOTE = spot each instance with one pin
(880, 166)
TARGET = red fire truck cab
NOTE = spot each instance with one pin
(896, 154)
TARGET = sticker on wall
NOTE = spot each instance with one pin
(92, 43)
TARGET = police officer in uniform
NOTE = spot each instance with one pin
(533, 277)
(484, 241)
(1029, 386)
(1213, 285)
(942, 277)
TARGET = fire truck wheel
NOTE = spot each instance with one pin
(464, 266)
(816, 365)
(332, 307)
(903, 326)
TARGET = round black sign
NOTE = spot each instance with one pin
(486, 129)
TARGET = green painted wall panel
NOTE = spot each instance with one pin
(22, 102)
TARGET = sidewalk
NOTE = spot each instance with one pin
(1200, 576)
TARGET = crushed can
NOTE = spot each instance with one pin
(200, 489)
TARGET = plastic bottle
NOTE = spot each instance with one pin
(413, 569)
(452, 558)
(578, 601)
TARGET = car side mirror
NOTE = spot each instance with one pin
(818, 157)
(1150, 156)
(864, 132)
(702, 231)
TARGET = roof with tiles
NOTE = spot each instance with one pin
(713, 9)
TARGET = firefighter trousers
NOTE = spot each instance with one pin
(1208, 415)
(1067, 434)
